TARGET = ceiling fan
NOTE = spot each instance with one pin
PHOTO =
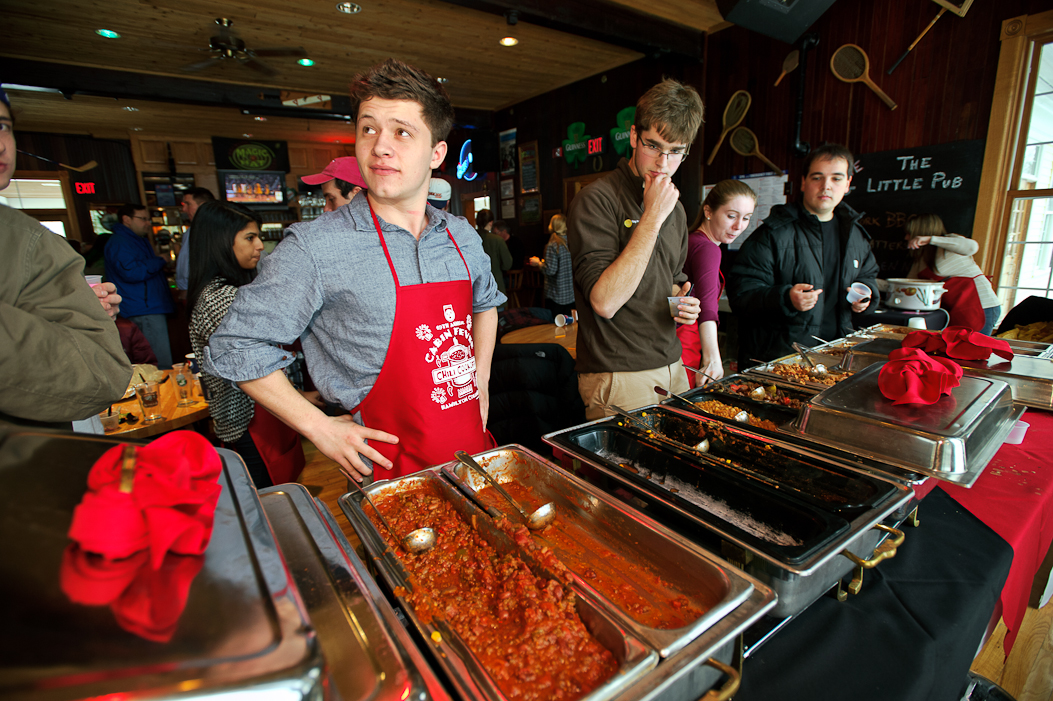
(228, 45)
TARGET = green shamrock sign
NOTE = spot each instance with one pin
(620, 133)
(576, 145)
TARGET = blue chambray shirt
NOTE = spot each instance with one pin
(328, 284)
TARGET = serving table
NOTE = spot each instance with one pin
(174, 416)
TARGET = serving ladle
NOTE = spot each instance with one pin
(818, 369)
(416, 541)
(541, 517)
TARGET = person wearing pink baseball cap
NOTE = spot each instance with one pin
(341, 181)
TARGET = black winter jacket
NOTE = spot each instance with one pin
(787, 249)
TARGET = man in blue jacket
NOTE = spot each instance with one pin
(138, 273)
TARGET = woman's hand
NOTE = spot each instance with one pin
(918, 241)
(535, 262)
(711, 367)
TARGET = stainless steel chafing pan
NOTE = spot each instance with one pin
(469, 678)
(797, 583)
(593, 515)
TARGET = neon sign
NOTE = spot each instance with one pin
(464, 165)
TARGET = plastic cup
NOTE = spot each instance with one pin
(149, 394)
(110, 422)
(674, 303)
(857, 292)
(93, 280)
(1016, 434)
(917, 323)
(183, 380)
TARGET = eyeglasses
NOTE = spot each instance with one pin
(656, 151)
(142, 218)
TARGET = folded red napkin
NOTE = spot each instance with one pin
(138, 549)
(958, 342)
(145, 601)
(170, 507)
(912, 377)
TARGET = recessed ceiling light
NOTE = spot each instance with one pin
(509, 41)
(306, 62)
(349, 8)
(129, 108)
(107, 34)
(260, 119)
(137, 128)
(247, 136)
(442, 80)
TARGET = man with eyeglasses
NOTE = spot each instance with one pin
(628, 242)
(138, 273)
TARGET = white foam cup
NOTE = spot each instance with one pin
(917, 323)
(1016, 434)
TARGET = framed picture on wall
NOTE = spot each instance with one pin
(508, 189)
(508, 209)
(530, 209)
(528, 168)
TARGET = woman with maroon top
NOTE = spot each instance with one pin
(725, 213)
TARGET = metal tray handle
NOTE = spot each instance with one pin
(731, 686)
(883, 551)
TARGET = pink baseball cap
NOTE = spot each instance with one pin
(345, 168)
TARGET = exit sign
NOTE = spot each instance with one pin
(596, 146)
(85, 188)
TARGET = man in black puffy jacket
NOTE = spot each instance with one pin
(791, 277)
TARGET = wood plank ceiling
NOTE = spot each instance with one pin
(160, 37)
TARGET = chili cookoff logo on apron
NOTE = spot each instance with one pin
(451, 349)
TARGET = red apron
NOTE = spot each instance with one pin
(426, 393)
(961, 300)
(278, 445)
(691, 342)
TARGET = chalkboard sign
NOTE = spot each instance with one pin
(890, 186)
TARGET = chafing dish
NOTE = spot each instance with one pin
(243, 633)
(466, 673)
(1030, 378)
(793, 545)
(768, 372)
(368, 652)
(953, 439)
(1031, 349)
(629, 542)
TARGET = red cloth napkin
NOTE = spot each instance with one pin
(170, 507)
(958, 342)
(912, 377)
(145, 601)
(138, 552)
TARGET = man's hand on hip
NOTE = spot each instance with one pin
(804, 296)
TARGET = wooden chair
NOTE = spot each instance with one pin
(533, 286)
(515, 285)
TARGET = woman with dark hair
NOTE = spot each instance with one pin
(969, 300)
(725, 213)
(226, 249)
(484, 222)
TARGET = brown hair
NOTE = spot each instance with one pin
(829, 151)
(925, 225)
(557, 229)
(672, 109)
(722, 193)
(482, 218)
(395, 80)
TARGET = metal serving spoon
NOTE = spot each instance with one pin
(700, 372)
(417, 541)
(542, 516)
(818, 369)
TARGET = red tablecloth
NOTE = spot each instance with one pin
(1014, 497)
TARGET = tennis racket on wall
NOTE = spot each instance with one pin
(851, 65)
(744, 143)
(734, 113)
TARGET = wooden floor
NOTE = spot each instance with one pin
(1027, 674)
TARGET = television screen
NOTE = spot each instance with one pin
(254, 188)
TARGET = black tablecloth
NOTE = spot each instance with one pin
(910, 634)
(936, 320)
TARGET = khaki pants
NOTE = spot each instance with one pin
(629, 390)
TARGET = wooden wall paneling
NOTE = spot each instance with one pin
(298, 158)
(320, 157)
(205, 155)
(153, 153)
(184, 153)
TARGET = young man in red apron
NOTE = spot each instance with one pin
(429, 397)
